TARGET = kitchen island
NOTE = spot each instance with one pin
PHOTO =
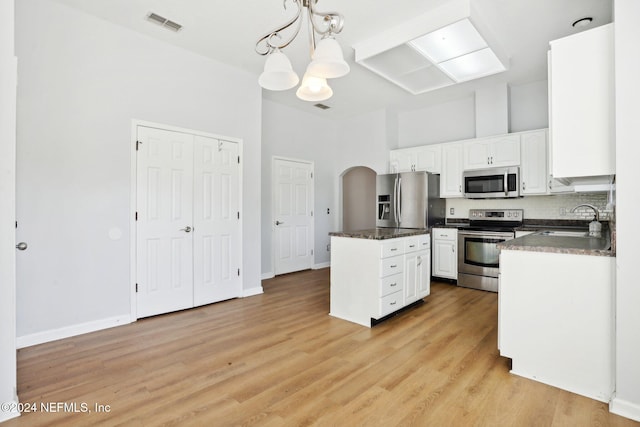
(556, 311)
(377, 272)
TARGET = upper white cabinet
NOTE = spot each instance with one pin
(492, 152)
(425, 158)
(533, 164)
(451, 176)
(581, 106)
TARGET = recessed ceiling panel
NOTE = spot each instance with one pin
(399, 60)
(457, 39)
(424, 80)
(473, 66)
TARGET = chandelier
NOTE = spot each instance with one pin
(327, 61)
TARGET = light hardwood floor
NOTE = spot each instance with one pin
(279, 359)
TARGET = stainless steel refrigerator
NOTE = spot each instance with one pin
(409, 200)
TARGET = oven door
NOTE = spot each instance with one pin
(477, 251)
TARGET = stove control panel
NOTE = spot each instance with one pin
(496, 215)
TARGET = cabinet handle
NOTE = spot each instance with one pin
(460, 188)
(491, 159)
(453, 249)
(393, 284)
(393, 303)
(524, 186)
(394, 266)
(412, 246)
(394, 249)
(488, 160)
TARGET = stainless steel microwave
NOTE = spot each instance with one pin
(494, 183)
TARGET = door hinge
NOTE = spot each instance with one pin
(136, 287)
(138, 145)
(238, 272)
(136, 216)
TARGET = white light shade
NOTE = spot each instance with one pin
(278, 73)
(328, 61)
(449, 42)
(313, 88)
(473, 66)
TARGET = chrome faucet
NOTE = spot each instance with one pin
(595, 210)
(595, 228)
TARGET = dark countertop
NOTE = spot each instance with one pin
(536, 242)
(380, 233)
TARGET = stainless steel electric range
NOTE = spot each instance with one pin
(478, 257)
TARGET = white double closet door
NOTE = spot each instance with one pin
(188, 224)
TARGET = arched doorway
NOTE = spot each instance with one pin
(358, 198)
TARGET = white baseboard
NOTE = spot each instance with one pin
(625, 408)
(71, 331)
(10, 414)
(253, 291)
(266, 276)
(321, 265)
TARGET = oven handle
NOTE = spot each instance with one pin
(486, 233)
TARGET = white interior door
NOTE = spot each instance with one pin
(216, 220)
(165, 221)
(293, 215)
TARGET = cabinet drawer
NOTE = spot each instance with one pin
(392, 247)
(393, 265)
(390, 303)
(391, 284)
(417, 243)
(445, 233)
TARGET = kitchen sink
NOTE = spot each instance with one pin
(564, 233)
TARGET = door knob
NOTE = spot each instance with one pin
(278, 222)
(187, 229)
(21, 246)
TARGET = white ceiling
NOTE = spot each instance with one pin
(227, 30)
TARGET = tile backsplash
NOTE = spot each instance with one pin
(538, 207)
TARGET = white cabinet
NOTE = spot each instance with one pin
(492, 152)
(373, 278)
(417, 268)
(581, 104)
(445, 253)
(425, 158)
(556, 320)
(451, 176)
(533, 165)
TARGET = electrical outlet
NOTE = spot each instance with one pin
(452, 211)
(563, 211)
(329, 247)
(328, 211)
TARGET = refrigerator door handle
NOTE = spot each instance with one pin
(395, 199)
(399, 201)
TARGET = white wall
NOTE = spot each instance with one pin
(81, 82)
(456, 120)
(627, 65)
(334, 147)
(529, 106)
(7, 208)
(450, 121)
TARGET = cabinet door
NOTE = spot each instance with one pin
(451, 176)
(445, 259)
(423, 274)
(428, 158)
(477, 154)
(533, 170)
(581, 104)
(403, 160)
(417, 276)
(505, 151)
(411, 278)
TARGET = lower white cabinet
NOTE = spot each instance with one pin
(556, 319)
(373, 278)
(445, 253)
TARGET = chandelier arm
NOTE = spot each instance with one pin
(332, 21)
(266, 44)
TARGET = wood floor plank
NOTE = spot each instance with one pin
(279, 359)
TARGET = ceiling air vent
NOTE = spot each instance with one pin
(322, 106)
(160, 20)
